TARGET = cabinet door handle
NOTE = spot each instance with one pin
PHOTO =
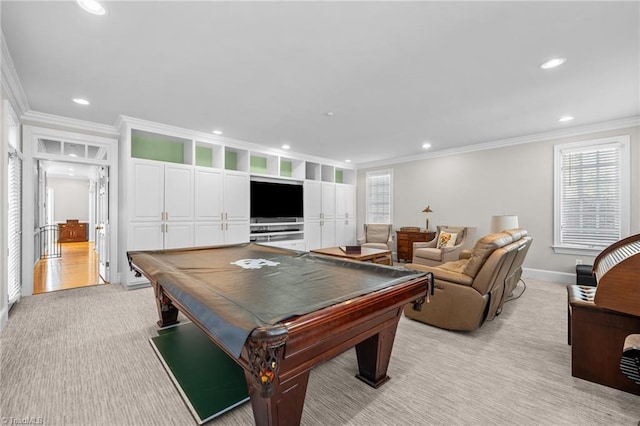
(226, 216)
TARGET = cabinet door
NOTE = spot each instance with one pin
(341, 200)
(328, 233)
(345, 201)
(312, 234)
(208, 234)
(178, 235)
(208, 195)
(147, 191)
(236, 232)
(312, 200)
(328, 200)
(345, 232)
(351, 202)
(143, 236)
(146, 236)
(236, 196)
(178, 192)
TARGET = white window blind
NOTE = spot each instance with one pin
(379, 186)
(15, 227)
(593, 200)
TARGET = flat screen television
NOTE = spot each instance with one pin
(276, 200)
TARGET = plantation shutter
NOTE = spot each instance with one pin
(15, 227)
(379, 197)
(591, 196)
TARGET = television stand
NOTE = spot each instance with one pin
(285, 232)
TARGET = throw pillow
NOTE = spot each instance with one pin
(446, 239)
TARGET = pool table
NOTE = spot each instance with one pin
(280, 312)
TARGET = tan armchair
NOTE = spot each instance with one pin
(377, 235)
(470, 291)
(429, 254)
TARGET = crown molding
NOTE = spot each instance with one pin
(52, 121)
(539, 137)
(10, 81)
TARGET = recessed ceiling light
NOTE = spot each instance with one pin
(92, 7)
(329, 114)
(81, 101)
(285, 146)
(426, 145)
(347, 161)
(565, 118)
(217, 132)
(552, 63)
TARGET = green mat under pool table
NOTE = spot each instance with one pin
(209, 381)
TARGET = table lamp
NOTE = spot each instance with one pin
(505, 221)
(427, 210)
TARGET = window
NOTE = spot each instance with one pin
(592, 198)
(11, 137)
(14, 227)
(379, 196)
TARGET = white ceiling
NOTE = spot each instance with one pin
(395, 74)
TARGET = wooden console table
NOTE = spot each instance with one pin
(406, 238)
(72, 231)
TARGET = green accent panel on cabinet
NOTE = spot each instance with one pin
(258, 164)
(285, 168)
(339, 176)
(231, 160)
(156, 147)
(204, 156)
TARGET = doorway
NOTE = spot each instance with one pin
(73, 216)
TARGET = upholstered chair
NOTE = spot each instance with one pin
(445, 247)
(472, 290)
(377, 235)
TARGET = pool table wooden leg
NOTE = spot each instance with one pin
(374, 354)
(285, 405)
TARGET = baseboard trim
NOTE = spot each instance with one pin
(553, 276)
(136, 286)
(4, 317)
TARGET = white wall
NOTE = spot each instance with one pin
(71, 199)
(467, 189)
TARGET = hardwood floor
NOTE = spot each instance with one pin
(77, 267)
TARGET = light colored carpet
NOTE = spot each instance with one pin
(82, 357)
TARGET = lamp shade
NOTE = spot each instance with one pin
(505, 221)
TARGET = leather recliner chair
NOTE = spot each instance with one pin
(470, 291)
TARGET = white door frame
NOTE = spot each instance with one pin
(31, 135)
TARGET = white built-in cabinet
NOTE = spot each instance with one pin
(182, 188)
(346, 231)
(162, 205)
(329, 217)
(221, 207)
